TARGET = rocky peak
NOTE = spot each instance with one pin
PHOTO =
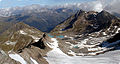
(20, 25)
(104, 15)
(87, 22)
(79, 13)
(25, 41)
(21, 34)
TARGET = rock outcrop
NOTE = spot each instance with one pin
(25, 42)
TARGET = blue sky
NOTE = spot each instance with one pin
(13, 3)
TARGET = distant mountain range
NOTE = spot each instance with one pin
(40, 16)
(37, 16)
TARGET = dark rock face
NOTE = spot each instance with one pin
(113, 42)
(104, 19)
(114, 38)
(40, 44)
(73, 20)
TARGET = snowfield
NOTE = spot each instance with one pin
(56, 56)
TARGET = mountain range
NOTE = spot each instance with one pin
(36, 16)
(40, 16)
(72, 35)
(85, 31)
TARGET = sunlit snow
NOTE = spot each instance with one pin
(10, 43)
(56, 56)
(118, 30)
(34, 61)
(18, 58)
(22, 32)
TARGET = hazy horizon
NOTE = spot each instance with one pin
(111, 6)
(14, 3)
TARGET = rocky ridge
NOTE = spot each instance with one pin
(23, 44)
(84, 32)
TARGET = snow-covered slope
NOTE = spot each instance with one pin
(56, 56)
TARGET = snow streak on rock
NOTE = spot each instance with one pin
(34, 61)
(36, 39)
(22, 32)
(10, 43)
(18, 58)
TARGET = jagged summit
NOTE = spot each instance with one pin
(79, 12)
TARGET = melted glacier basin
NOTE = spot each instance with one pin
(56, 56)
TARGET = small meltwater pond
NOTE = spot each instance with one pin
(60, 36)
(50, 36)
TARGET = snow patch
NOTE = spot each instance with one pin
(115, 27)
(71, 52)
(95, 49)
(10, 43)
(56, 52)
(22, 32)
(54, 44)
(34, 61)
(71, 38)
(118, 30)
(2, 52)
(104, 33)
(18, 58)
(36, 39)
(68, 43)
(84, 41)
(65, 36)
